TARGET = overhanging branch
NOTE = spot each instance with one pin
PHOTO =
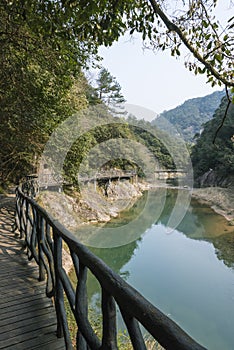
(173, 27)
(225, 114)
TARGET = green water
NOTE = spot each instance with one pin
(188, 272)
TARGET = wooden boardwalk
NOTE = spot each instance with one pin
(27, 316)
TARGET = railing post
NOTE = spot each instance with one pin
(62, 326)
(134, 331)
(21, 218)
(40, 238)
(109, 338)
(81, 305)
(16, 224)
(85, 336)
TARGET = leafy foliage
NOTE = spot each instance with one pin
(40, 84)
(44, 45)
(74, 30)
(218, 155)
(28, 114)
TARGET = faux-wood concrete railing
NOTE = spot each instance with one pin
(44, 237)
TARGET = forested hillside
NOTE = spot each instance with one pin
(26, 128)
(47, 45)
(189, 117)
(106, 141)
(216, 155)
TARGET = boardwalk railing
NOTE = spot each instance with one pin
(108, 174)
(44, 238)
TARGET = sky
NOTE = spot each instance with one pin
(155, 81)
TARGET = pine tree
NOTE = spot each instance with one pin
(109, 91)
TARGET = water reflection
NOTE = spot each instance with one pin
(188, 273)
(129, 226)
(200, 222)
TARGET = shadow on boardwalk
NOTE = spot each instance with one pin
(27, 316)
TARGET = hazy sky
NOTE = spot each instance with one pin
(155, 81)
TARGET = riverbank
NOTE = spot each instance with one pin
(93, 204)
(221, 200)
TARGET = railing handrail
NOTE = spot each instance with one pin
(35, 226)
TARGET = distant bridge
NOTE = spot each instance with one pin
(184, 171)
(161, 174)
(109, 175)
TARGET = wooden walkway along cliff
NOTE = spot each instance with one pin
(27, 316)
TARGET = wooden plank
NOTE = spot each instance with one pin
(21, 294)
(26, 289)
(12, 332)
(26, 316)
(25, 299)
(21, 309)
(27, 336)
(22, 274)
(26, 279)
(19, 324)
(40, 342)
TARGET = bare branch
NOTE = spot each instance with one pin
(225, 114)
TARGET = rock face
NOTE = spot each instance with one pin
(91, 204)
(220, 199)
(218, 191)
(212, 179)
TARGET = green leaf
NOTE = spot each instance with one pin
(225, 38)
(218, 57)
(205, 24)
(209, 45)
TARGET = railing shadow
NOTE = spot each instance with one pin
(9, 246)
(12, 250)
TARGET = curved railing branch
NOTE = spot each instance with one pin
(44, 237)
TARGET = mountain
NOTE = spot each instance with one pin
(189, 117)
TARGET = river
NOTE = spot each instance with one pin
(188, 272)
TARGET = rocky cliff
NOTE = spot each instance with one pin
(212, 179)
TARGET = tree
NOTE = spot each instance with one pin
(40, 81)
(109, 90)
(38, 89)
